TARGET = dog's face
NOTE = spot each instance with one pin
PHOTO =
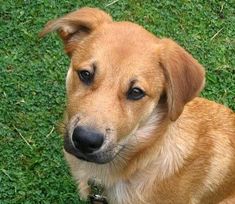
(118, 74)
(113, 87)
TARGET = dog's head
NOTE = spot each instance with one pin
(118, 77)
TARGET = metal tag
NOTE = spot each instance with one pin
(97, 199)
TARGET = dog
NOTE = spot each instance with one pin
(134, 121)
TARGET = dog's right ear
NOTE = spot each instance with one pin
(74, 26)
(184, 76)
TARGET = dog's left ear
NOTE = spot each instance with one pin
(76, 26)
(184, 76)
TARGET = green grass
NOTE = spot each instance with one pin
(32, 73)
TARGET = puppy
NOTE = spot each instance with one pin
(133, 121)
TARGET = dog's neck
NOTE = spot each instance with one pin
(159, 137)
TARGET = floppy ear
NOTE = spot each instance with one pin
(184, 76)
(76, 25)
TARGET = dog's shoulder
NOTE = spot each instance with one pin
(209, 119)
(210, 112)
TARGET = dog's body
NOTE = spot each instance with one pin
(133, 117)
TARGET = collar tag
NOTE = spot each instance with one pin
(97, 199)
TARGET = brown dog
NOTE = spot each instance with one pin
(132, 120)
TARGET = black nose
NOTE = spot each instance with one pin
(87, 140)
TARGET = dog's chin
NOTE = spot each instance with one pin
(99, 157)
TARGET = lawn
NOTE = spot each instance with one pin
(32, 73)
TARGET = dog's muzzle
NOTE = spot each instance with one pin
(87, 144)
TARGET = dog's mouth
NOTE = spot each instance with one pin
(103, 156)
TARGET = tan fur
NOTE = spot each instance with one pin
(170, 147)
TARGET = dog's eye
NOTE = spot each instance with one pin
(135, 94)
(85, 76)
